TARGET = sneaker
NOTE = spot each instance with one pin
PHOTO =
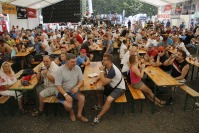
(96, 108)
(197, 104)
(95, 121)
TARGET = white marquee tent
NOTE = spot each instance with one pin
(38, 4)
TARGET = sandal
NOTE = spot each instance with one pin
(37, 113)
(158, 104)
(162, 102)
(23, 111)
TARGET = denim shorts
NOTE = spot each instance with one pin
(62, 98)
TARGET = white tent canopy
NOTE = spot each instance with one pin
(38, 4)
(162, 2)
(35, 4)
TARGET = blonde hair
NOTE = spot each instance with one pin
(11, 71)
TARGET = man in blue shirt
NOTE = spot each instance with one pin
(82, 60)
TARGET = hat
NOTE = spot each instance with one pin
(83, 51)
(150, 45)
(161, 48)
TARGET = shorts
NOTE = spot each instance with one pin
(62, 98)
(138, 85)
(117, 92)
(50, 91)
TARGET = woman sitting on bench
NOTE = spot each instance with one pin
(7, 79)
(136, 74)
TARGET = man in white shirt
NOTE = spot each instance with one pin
(46, 46)
(47, 73)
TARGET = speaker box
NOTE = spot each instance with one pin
(64, 11)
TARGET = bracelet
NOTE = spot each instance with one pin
(101, 71)
(65, 94)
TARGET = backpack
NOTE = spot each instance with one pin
(26, 72)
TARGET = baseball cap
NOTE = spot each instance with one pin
(150, 45)
(83, 51)
(161, 48)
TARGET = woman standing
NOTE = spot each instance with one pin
(136, 74)
(7, 79)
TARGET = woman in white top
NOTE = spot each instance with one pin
(180, 45)
(7, 79)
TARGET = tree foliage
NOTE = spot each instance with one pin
(131, 7)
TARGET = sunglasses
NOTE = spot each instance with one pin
(160, 51)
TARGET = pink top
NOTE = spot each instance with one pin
(134, 78)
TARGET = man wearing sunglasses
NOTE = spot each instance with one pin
(161, 59)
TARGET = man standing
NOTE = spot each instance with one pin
(110, 75)
(47, 73)
(69, 79)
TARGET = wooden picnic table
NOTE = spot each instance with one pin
(57, 52)
(142, 51)
(160, 78)
(93, 67)
(25, 53)
(173, 51)
(33, 81)
(193, 62)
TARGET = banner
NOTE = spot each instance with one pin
(8, 9)
(188, 7)
(31, 13)
(164, 16)
(21, 12)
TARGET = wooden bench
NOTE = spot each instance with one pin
(190, 93)
(137, 95)
(51, 100)
(3, 101)
(121, 99)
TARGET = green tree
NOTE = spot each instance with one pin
(131, 7)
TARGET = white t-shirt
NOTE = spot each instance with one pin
(181, 45)
(48, 48)
(123, 48)
(125, 61)
(51, 71)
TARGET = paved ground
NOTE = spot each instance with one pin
(163, 121)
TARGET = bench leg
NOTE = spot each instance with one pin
(193, 104)
(185, 104)
(141, 106)
(132, 106)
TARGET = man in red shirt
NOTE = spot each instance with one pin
(151, 53)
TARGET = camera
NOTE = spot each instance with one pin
(42, 68)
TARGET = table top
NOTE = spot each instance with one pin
(33, 81)
(57, 52)
(159, 77)
(142, 51)
(173, 51)
(192, 61)
(96, 47)
(93, 67)
(27, 52)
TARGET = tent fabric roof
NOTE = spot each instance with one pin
(162, 2)
(37, 4)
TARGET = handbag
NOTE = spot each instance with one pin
(108, 89)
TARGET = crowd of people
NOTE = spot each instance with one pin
(63, 75)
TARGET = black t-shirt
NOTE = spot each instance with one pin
(188, 39)
(86, 46)
(177, 68)
(162, 60)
